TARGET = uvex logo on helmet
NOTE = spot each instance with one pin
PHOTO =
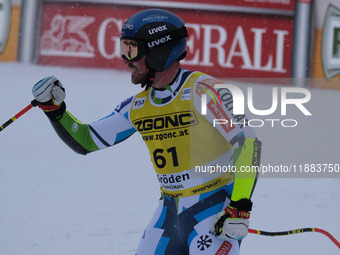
(157, 29)
(159, 41)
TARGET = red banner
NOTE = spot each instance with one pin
(287, 5)
(219, 43)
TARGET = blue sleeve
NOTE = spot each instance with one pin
(114, 128)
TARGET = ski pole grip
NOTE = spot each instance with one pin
(34, 103)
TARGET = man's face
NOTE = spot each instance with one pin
(138, 69)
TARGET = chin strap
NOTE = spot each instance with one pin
(148, 80)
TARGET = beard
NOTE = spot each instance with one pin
(137, 75)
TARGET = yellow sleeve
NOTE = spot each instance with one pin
(246, 161)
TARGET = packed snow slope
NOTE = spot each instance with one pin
(56, 202)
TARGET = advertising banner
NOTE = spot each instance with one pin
(220, 43)
(9, 30)
(273, 5)
(326, 58)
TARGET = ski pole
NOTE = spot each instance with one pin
(19, 114)
(295, 231)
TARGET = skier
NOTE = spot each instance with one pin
(203, 208)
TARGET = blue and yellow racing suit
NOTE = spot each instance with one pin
(196, 159)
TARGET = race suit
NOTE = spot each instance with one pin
(196, 156)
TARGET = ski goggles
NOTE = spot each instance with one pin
(131, 50)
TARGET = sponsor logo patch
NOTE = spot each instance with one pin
(160, 41)
(219, 113)
(224, 249)
(166, 122)
(155, 30)
(139, 103)
(204, 242)
(186, 94)
(75, 127)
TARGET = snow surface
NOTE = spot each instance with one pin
(56, 202)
